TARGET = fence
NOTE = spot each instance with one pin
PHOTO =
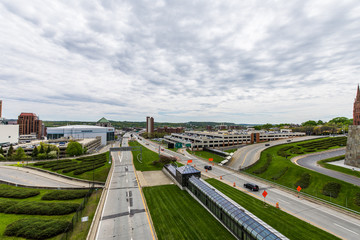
(77, 217)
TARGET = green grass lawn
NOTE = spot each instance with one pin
(292, 173)
(206, 155)
(100, 174)
(176, 215)
(6, 219)
(324, 163)
(231, 150)
(288, 225)
(148, 157)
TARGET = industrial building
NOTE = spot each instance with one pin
(198, 140)
(240, 222)
(82, 132)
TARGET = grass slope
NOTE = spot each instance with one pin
(176, 215)
(324, 163)
(294, 172)
(207, 155)
(288, 225)
(100, 174)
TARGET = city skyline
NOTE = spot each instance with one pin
(242, 62)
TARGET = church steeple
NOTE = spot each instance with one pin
(356, 112)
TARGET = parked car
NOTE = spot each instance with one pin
(289, 140)
(251, 186)
(208, 167)
(267, 144)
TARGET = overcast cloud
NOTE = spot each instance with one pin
(235, 61)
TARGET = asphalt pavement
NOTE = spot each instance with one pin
(328, 219)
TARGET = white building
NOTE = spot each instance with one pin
(9, 134)
(82, 132)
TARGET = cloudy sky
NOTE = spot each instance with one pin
(180, 60)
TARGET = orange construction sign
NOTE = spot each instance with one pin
(211, 159)
(189, 161)
(299, 188)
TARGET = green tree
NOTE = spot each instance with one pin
(309, 123)
(1, 150)
(10, 151)
(320, 122)
(19, 154)
(35, 152)
(48, 150)
(74, 149)
(42, 150)
(2, 157)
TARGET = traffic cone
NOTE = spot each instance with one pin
(234, 184)
(194, 165)
(220, 177)
(277, 205)
(206, 170)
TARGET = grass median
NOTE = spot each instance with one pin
(288, 225)
(176, 215)
(325, 163)
(206, 155)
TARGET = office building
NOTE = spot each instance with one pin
(9, 134)
(29, 124)
(149, 125)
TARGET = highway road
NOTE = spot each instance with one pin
(124, 215)
(335, 222)
(33, 178)
(310, 162)
(248, 155)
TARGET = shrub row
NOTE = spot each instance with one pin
(283, 151)
(101, 156)
(18, 193)
(280, 174)
(48, 162)
(357, 199)
(64, 165)
(64, 195)
(304, 180)
(33, 228)
(265, 166)
(82, 166)
(331, 189)
(88, 168)
(37, 208)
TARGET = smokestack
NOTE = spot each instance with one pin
(0, 108)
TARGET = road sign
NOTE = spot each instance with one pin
(264, 193)
(85, 219)
(298, 188)
(211, 159)
(189, 161)
(178, 145)
(188, 145)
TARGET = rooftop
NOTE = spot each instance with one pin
(103, 120)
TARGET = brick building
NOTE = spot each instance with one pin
(170, 130)
(29, 123)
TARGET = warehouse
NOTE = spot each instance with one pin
(82, 132)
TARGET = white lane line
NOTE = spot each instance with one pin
(102, 214)
(284, 201)
(346, 228)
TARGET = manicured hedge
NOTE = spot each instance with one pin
(18, 193)
(33, 228)
(64, 195)
(52, 162)
(304, 180)
(37, 208)
(331, 189)
(265, 166)
(357, 199)
(280, 174)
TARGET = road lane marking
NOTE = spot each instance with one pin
(346, 228)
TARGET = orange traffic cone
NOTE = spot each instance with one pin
(277, 205)
(220, 177)
(206, 170)
(234, 184)
(194, 165)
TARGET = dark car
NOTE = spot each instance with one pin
(251, 186)
(267, 144)
(208, 167)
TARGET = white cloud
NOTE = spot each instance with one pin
(244, 62)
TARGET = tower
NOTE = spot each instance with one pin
(356, 111)
(352, 155)
(149, 125)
